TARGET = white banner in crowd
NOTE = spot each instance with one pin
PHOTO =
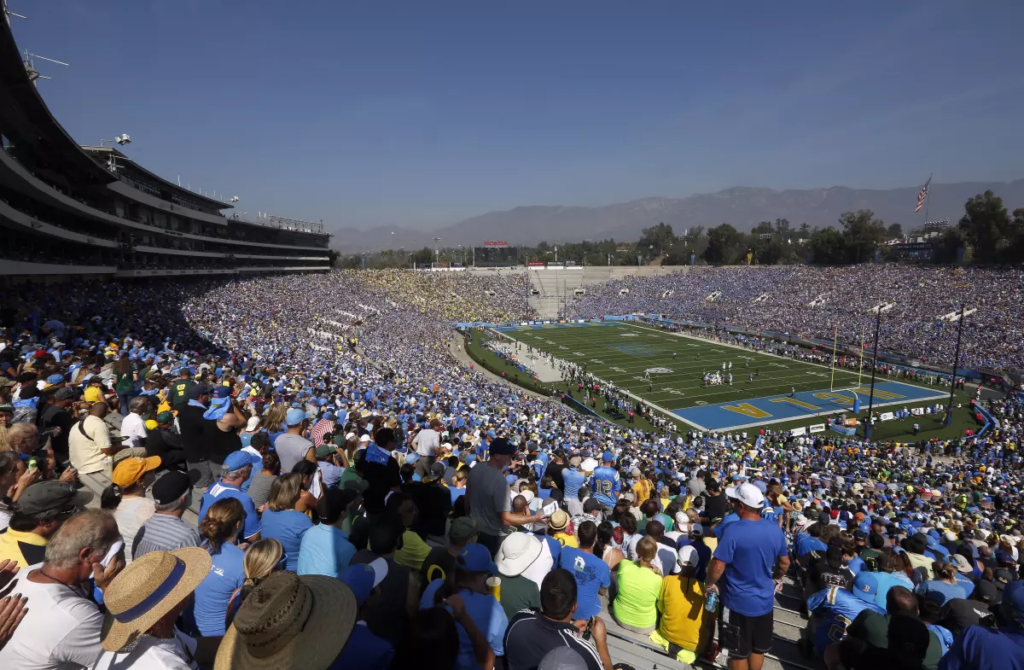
(886, 416)
(817, 428)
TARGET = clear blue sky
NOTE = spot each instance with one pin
(416, 113)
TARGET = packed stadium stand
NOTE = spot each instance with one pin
(72, 210)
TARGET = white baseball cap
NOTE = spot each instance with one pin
(364, 438)
(749, 495)
(687, 556)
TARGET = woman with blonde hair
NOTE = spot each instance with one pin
(262, 558)
(219, 530)
(636, 606)
(281, 520)
(274, 421)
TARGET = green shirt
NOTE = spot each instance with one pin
(179, 392)
(518, 593)
(639, 590)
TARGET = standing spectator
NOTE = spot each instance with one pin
(426, 442)
(440, 562)
(143, 604)
(220, 530)
(433, 501)
(282, 521)
(751, 556)
(62, 626)
(388, 617)
(165, 442)
(181, 389)
(327, 461)
(605, 481)
(325, 548)
(39, 513)
(531, 636)
(125, 378)
(685, 628)
(488, 501)
(237, 467)
(134, 425)
(193, 433)
(517, 553)
(379, 468)
(364, 650)
(56, 420)
(133, 507)
(590, 572)
(635, 606)
(292, 447)
(165, 531)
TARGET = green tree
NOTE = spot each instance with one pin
(828, 247)
(863, 233)
(805, 231)
(782, 228)
(725, 245)
(986, 226)
(894, 231)
(656, 240)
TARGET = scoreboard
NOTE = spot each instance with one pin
(493, 254)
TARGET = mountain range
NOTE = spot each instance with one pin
(742, 206)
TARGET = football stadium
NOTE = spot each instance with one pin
(226, 443)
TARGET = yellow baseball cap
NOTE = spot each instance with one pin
(129, 471)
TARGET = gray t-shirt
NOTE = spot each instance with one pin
(488, 496)
(259, 490)
(291, 449)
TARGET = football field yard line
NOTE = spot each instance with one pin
(608, 356)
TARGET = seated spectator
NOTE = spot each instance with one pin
(292, 447)
(262, 558)
(325, 549)
(131, 507)
(220, 529)
(400, 590)
(290, 622)
(55, 593)
(39, 513)
(165, 442)
(89, 443)
(327, 461)
(440, 562)
(133, 428)
(835, 606)
(685, 629)
(531, 636)
(282, 521)
(142, 610)
(591, 573)
(236, 469)
(635, 606)
(517, 553)
(414, 550)
(259, 488)
(472, 568)
(871, 629)
(165, 530)
(364, 650)
(944, 587)
(457, 488)
(558, 526)
(998, 646)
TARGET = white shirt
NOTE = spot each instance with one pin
(426, 441)
(153, 653)
(543, 564)
(61, 630)
(130, 515)
(134, 427)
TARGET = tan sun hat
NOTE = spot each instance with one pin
(290, 622)
(148, 589)
(559, 520)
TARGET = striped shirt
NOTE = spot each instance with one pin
(164, 532)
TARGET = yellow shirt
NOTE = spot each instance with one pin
(413, 552)
(682, 612)
(642, 489)
(566, 540)
(92, 394)
(14, 544)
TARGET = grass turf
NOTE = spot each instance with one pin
(621, 353)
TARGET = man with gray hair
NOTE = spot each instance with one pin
(134, 425)
(165, 530)
(62, 626)
(237, 467)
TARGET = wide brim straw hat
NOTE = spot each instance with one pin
(290, 622)
(148, 589)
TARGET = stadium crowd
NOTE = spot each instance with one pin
(365, 501)
(779, 299)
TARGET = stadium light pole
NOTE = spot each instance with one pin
(956, 363)
(874, 368)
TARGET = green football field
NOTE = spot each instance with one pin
(781, 389)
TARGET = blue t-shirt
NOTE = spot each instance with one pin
(219, 491)
(324, 550)
(592, 575)
(364, 651)
(750, 550)
(605, 484)
(331, 473)
(805, 544)
(980, 648)
(456, 493)
(887, 580)
(555, 546)
(212, 595)
(966, 583)
(287, 527)
(486, 613)
(940, 592)
(573, 480)
(857, 565)
(836, 608)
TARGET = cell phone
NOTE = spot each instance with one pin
(588, 633)
(549, 509)
(114, 550)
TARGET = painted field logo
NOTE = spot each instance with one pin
(658, 371)
(629, 335)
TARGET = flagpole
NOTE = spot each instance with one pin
(835, 341)
(860, 368)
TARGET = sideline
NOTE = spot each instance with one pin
(457, 348)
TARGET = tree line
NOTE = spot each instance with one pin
(986, 233)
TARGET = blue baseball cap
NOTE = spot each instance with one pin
(237, 460)
(362, 578)
(221, 392)
(865, 586)
(608, 457)
(295, 416)
(55, 379)
(476, 558)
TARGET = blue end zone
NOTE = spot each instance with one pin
(758, 411)
(637, 349)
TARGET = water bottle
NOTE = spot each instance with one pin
(711, 603)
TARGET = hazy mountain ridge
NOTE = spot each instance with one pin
(742, 206)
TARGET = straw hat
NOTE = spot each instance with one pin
(290, 622)
(148, 589)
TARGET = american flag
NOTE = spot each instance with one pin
(923, 194)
